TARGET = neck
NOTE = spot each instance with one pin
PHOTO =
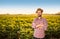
(39, 17)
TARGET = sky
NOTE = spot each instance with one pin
(29, 6)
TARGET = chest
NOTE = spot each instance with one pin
(39, 21)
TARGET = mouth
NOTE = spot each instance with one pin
(39, 16)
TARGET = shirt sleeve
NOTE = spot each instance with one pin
(45, 24)
(33, 24)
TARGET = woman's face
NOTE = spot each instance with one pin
(39, 13)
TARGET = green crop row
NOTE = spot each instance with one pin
(11, 24)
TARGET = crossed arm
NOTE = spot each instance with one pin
(44, 25)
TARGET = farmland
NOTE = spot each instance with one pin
(10, 24)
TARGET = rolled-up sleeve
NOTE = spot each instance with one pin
(45, 24)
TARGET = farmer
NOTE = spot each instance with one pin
(39, 25)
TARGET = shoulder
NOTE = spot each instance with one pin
(35, 19)
(44, 19)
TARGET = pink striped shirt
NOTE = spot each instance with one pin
(39, 32)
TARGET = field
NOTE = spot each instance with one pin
(19, 26)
